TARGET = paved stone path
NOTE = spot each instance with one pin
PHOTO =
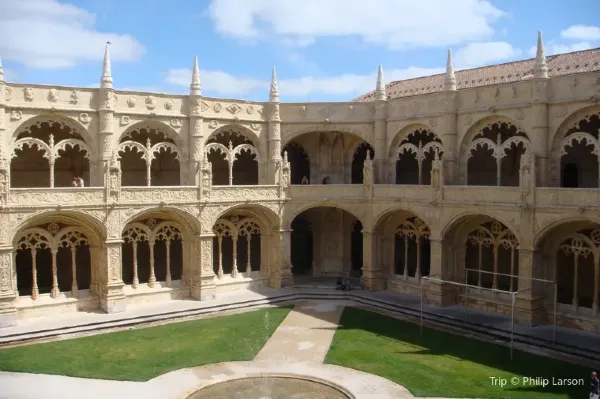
(304, 335)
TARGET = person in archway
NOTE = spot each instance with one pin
(304, 180)
(75, 182)
(327, 180)
(80, 182)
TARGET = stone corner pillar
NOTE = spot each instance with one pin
(202, 282)
(196, 140)
(373, 278)
(530, 307)
(8, 310)
(438, 292)
(112, 298)
(280, 272)
(106, 133)
(274, 137)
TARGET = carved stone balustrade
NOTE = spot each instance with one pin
(57, 196)
(151, 195)
(243, 193)
(548, 196)
(479, 194)
(403, 192)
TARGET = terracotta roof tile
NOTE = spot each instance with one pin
(558, 65)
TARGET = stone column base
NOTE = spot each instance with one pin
(373, 282)
(440, 294)
(531, 311)
(113, 299)
(287, 280)
(8, 311)
(206, 291)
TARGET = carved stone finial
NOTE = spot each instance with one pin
(106, 81)
(195, 87)
(274, 90)
(368, 155)
(1, 71)
(230, 146)
(436, 154)
(540, 68)
(450, 77)
(148, 144)
(380, 94)
(285, 157)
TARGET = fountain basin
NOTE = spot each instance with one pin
(271, 387)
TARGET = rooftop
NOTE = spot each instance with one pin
(517, 71)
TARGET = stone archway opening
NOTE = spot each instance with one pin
(242, 247)
(493, 157)
(332, 157)
(406, 250)
(149, 157)
(483, 252)
(156, 252)
(413, 157)
(299, 162)
(326, 242)
(49, 154)
(234, 158)
(58, 257)
(580, 154)
(570, 255)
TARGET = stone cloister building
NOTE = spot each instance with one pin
(489, 175)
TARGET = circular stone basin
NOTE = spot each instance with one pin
(275, 387)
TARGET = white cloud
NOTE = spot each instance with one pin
(222, 83)
(485, 53)
(581, 32)
(552, 48)
(395, 24)
(50, 34)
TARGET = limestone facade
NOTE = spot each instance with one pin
(190, 196)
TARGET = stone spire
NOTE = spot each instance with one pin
(274, 90)
(195, 88)
(450, 77)
(1, 71)
(106, 81)
(380, 86)
(540, 68)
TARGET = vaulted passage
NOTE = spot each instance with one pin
(326, 241)
(49, 154)
(149, 157)
(234, 158)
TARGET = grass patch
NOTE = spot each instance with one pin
(444, 364)
(142, 354)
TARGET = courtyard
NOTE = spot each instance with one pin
(365, 354)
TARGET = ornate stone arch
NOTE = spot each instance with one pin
(70, 236)
(64, 120)
(567, 135)
(391, 211)
(240, 129)
(267, 218)
(404, 132)
(184, 218)
(470, 143)
(137, 232)
(95, 228)
(33, 238)
(546, 229)
(168, 230)
(153, 126)
(455, 220)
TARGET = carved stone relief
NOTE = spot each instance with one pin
(218, 107)
(150, 102)
(131, 101)
(28, 94)
(74, 98)
(169, 105)
(234, 109)
(16, 115)
(53, 95)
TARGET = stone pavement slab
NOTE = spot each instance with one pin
(305, 334)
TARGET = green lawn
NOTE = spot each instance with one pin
(441, 363)
(142, 354)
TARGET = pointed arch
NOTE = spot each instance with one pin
(411, 154)
(234, 156)
(71, 123)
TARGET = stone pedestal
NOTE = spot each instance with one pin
(112, 298)
(202, 283)
(8, 311)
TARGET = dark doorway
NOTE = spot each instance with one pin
(356, 249)
(301, 247)
(299, 163)
(359, 160)
(570, 175)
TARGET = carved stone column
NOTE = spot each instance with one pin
(540, 130)
(380, 131)
(112, 296)
(274, 143)
(196, 141)
(202, 284)
(373, 277)
(280, 270)
(105, 134)
(8, 311)
(447, 130)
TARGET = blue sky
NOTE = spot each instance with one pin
(324, 50)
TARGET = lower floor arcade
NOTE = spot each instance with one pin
(64, 262)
